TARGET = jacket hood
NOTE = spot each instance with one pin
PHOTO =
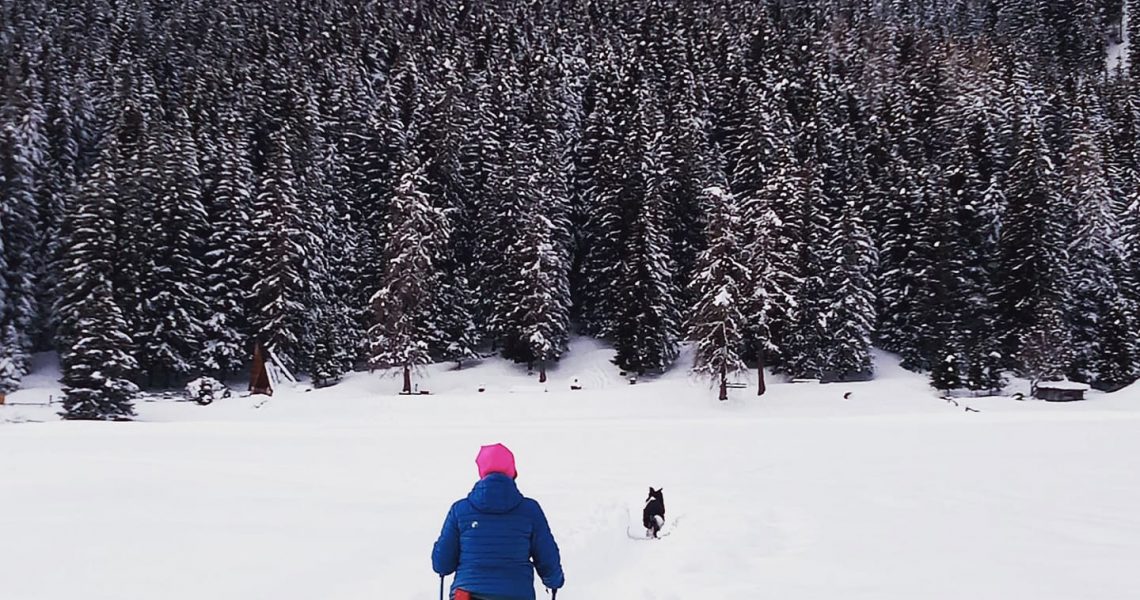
(495, 493)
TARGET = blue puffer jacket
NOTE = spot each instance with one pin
(489, 539)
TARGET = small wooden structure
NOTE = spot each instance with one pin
(1060, 391)
(840, 376)
(259, 382)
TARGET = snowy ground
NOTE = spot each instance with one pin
(339, 493)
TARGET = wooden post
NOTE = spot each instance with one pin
(542, 371)
(407, 379)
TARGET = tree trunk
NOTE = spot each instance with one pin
(723, 382)
(542, 371)
(760, 386)
(407, 380)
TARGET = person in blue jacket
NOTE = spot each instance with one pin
(495, 539)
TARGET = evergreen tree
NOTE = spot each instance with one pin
(608, 160)
(174, 310)
(766, 180)
(720, 285)
(946, 374)
(97, 368)
(22, 153)
(850, 316)
(1031, 274)
(852, 312)
(535, 329)
(1133, 33)
(279, 258)
(97, 362)
(902, 202)
(335, 337)
(229, 202)
(417, 235)
(646, 326)
(1097, 262)
(690, 161)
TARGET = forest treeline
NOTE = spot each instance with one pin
(393, 182)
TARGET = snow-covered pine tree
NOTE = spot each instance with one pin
(336, 341)
(1075, 33)
(764, 179)
(280, 249)
(851, 258)
(690, 158)
(335, 338)
(72, 133)
(1097, 309)
(770, 252)
(946, 375)
(228, 203)
(605, 161)
(138, 163)
(1133, 33)
(527, 191)
(96, 350)
(98, 366)
(553, 108)
(1031, 275)
(332, 337)
(453, 131)
(721, 286)
(535, 328)
(906, 137)
(1044, 348)
(970, 200)
(825, 173)
(497, 187)
(417, 235)
(174, 308)
(646, 326)
(23, 149)
(963, 232)
(371, 179)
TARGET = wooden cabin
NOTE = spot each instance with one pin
(1060, 391)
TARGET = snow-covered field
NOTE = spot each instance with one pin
(339, 493)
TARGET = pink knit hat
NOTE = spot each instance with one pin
(496, 458)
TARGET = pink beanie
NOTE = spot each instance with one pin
(496, 458)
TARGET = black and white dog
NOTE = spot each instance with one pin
(653, 516)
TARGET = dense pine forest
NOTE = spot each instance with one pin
(386, 183)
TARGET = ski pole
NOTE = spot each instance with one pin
(441, 587)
